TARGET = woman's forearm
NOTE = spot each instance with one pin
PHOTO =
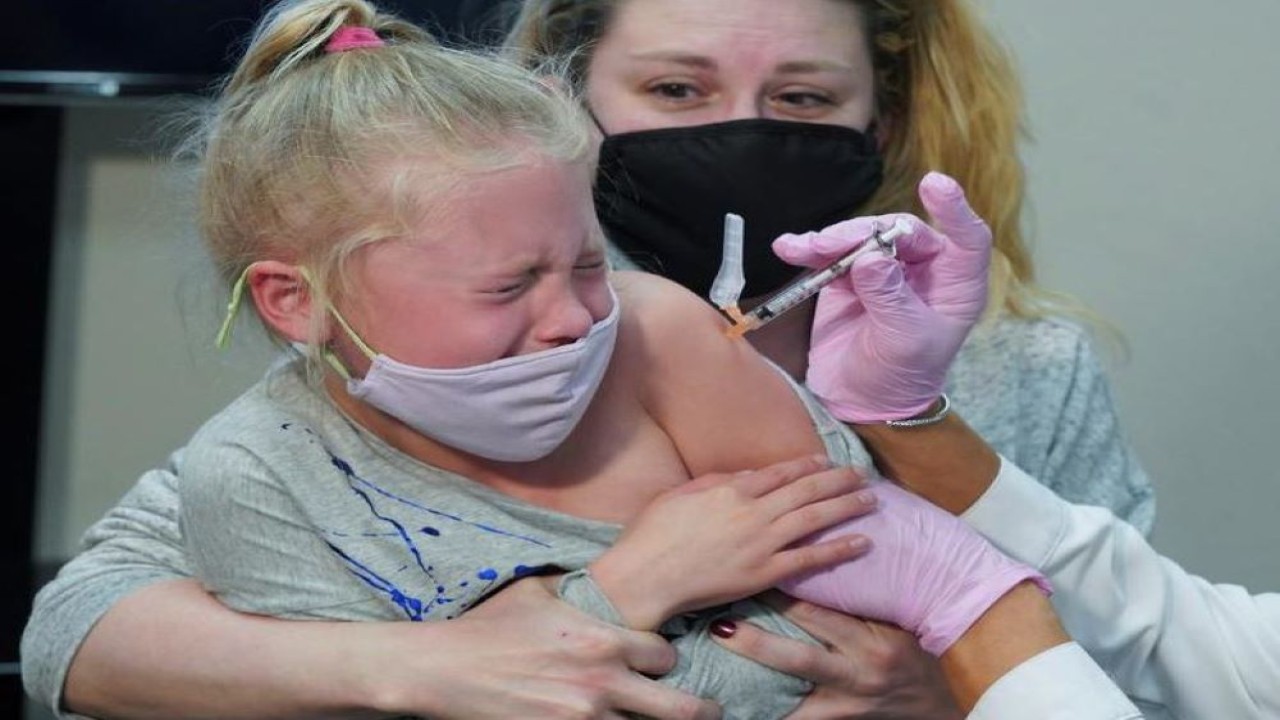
(171, 650)
(1021, 625)
(947, 463)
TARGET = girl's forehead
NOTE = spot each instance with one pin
(503, 210)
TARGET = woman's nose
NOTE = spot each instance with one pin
(745, 106)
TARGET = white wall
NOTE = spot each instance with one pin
(1156, 139)
(132, 371)
(1156, 131)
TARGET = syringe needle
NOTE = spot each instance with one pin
(806, 287)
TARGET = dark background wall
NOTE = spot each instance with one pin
(29, 151)
(59, 52)
(152, 46)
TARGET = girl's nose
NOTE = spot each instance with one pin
(565, 319)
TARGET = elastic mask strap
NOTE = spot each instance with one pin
(328, 354)
(592, 114)
(335, 363)
(233, 308)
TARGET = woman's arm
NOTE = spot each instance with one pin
(121, 633)
(1169, 638)
(1128, 606)
(1014, 663)
(170, 650)
(946, 462)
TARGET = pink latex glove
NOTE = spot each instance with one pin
(926, 572)
(886, 332)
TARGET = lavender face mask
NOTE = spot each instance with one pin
(516, 409)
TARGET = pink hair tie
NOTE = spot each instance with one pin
(350, 37)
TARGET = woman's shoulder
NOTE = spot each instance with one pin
(1012, 370)
(1029, 345)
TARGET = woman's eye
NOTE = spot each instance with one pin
(804, 99)
(590, 266)
(673, 90)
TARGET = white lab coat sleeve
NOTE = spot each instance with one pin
(1171, 641)
(1061, 683)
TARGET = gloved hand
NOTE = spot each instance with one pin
(886, 332)
(926, 572)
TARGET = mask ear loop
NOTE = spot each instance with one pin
(326, 352)
(237, 299)
(223, 337)
(595, 120)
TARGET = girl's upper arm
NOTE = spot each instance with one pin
(722, 404)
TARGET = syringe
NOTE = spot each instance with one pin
(809, 285)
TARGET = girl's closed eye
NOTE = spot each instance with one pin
(590, 265)
(508, 287)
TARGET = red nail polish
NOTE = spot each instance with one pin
(724, 628)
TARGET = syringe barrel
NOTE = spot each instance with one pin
(809, 285)
(796, 293)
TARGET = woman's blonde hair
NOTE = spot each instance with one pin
(944, 84)
(307, 155)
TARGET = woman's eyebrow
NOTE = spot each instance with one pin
(703, 62)
(798, 67)
(675, 56)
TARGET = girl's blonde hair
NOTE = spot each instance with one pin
(945, 86)
(307, 155)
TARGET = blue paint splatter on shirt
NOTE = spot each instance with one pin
(355, 479)
(413, 607)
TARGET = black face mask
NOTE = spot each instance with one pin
(662, 194)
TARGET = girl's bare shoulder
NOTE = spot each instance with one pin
(663, 311)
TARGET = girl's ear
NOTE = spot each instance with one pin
(283, 298)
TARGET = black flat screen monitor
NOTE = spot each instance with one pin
(120, 48)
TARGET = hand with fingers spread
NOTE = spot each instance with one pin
(927, 571)
(863, 669)
(885, 334)
(524, 653)
(721, 538)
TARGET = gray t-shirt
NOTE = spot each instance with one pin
(289, 509)
(1033, 388)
